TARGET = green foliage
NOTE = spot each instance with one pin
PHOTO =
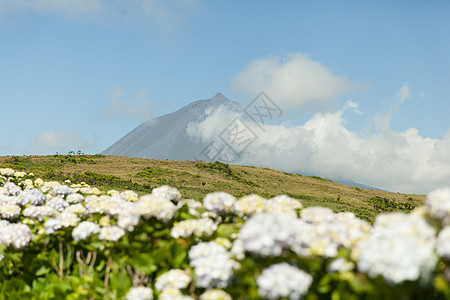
(54, 266)
(318, 178)
(381, 204)
(155, 175)
(225, 170)
(108, 180)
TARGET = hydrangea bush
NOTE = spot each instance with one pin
(72, 241)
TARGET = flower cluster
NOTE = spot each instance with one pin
(268, 234)
(173, 279)
(443, 243)
(220, 202)
(400, 248)
(253, 204)
(438, 204)
(212, 264)
(84, 230)
(139, 293)
(173, 294)
(215, 294)
(14, 234)
(283, 281)
(196, 227)
(167, 192)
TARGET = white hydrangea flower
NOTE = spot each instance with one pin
(84, 230)
(112, 205)
(38, 182)
(139, 293)
(193, 206)
(215, 294)
(317, 214)
(120, 206)
(61, 190)
(87, 190)
(15, 234)
(405, 224)
(175, 278)
(340, 265)
(443, 243)
(438, 202)
(173, 294)
(346, 230)
(9, 211)
(268, 234)
(400, 248)
(213, 266)
(283, 281)
(113, 193)
(7, 172)
(51, 225)
(168, 192)
(238, 249)
(19, 174)
(78, 209)
(33, 196)
(111, 233)
(68, 219)
(250, 204)
(129, 196)
(4, 223)
(128, 221)
(61, 220)
(39, 212)
(320, 241)
(219, 202)
(94, 204)
(17, 200)
(12, 189)
(283, 203)
(197, 227)
(58, 203)
(28, 183)
(74, 198)
(159, 207)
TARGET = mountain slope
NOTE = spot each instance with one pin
(165, 137)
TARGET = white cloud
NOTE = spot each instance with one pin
(52, 141)
(137, 107)
(404, 93)
(292, 81)
(323, 146)
(383, 119)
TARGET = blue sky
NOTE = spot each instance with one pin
(78, 75)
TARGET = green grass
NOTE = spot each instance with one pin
(196, 179)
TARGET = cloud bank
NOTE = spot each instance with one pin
(396, 161)
(293, 81)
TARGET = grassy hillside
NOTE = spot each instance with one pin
(196, 179)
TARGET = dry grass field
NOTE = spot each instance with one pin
(194, 179)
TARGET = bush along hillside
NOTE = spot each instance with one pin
(72, 241)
